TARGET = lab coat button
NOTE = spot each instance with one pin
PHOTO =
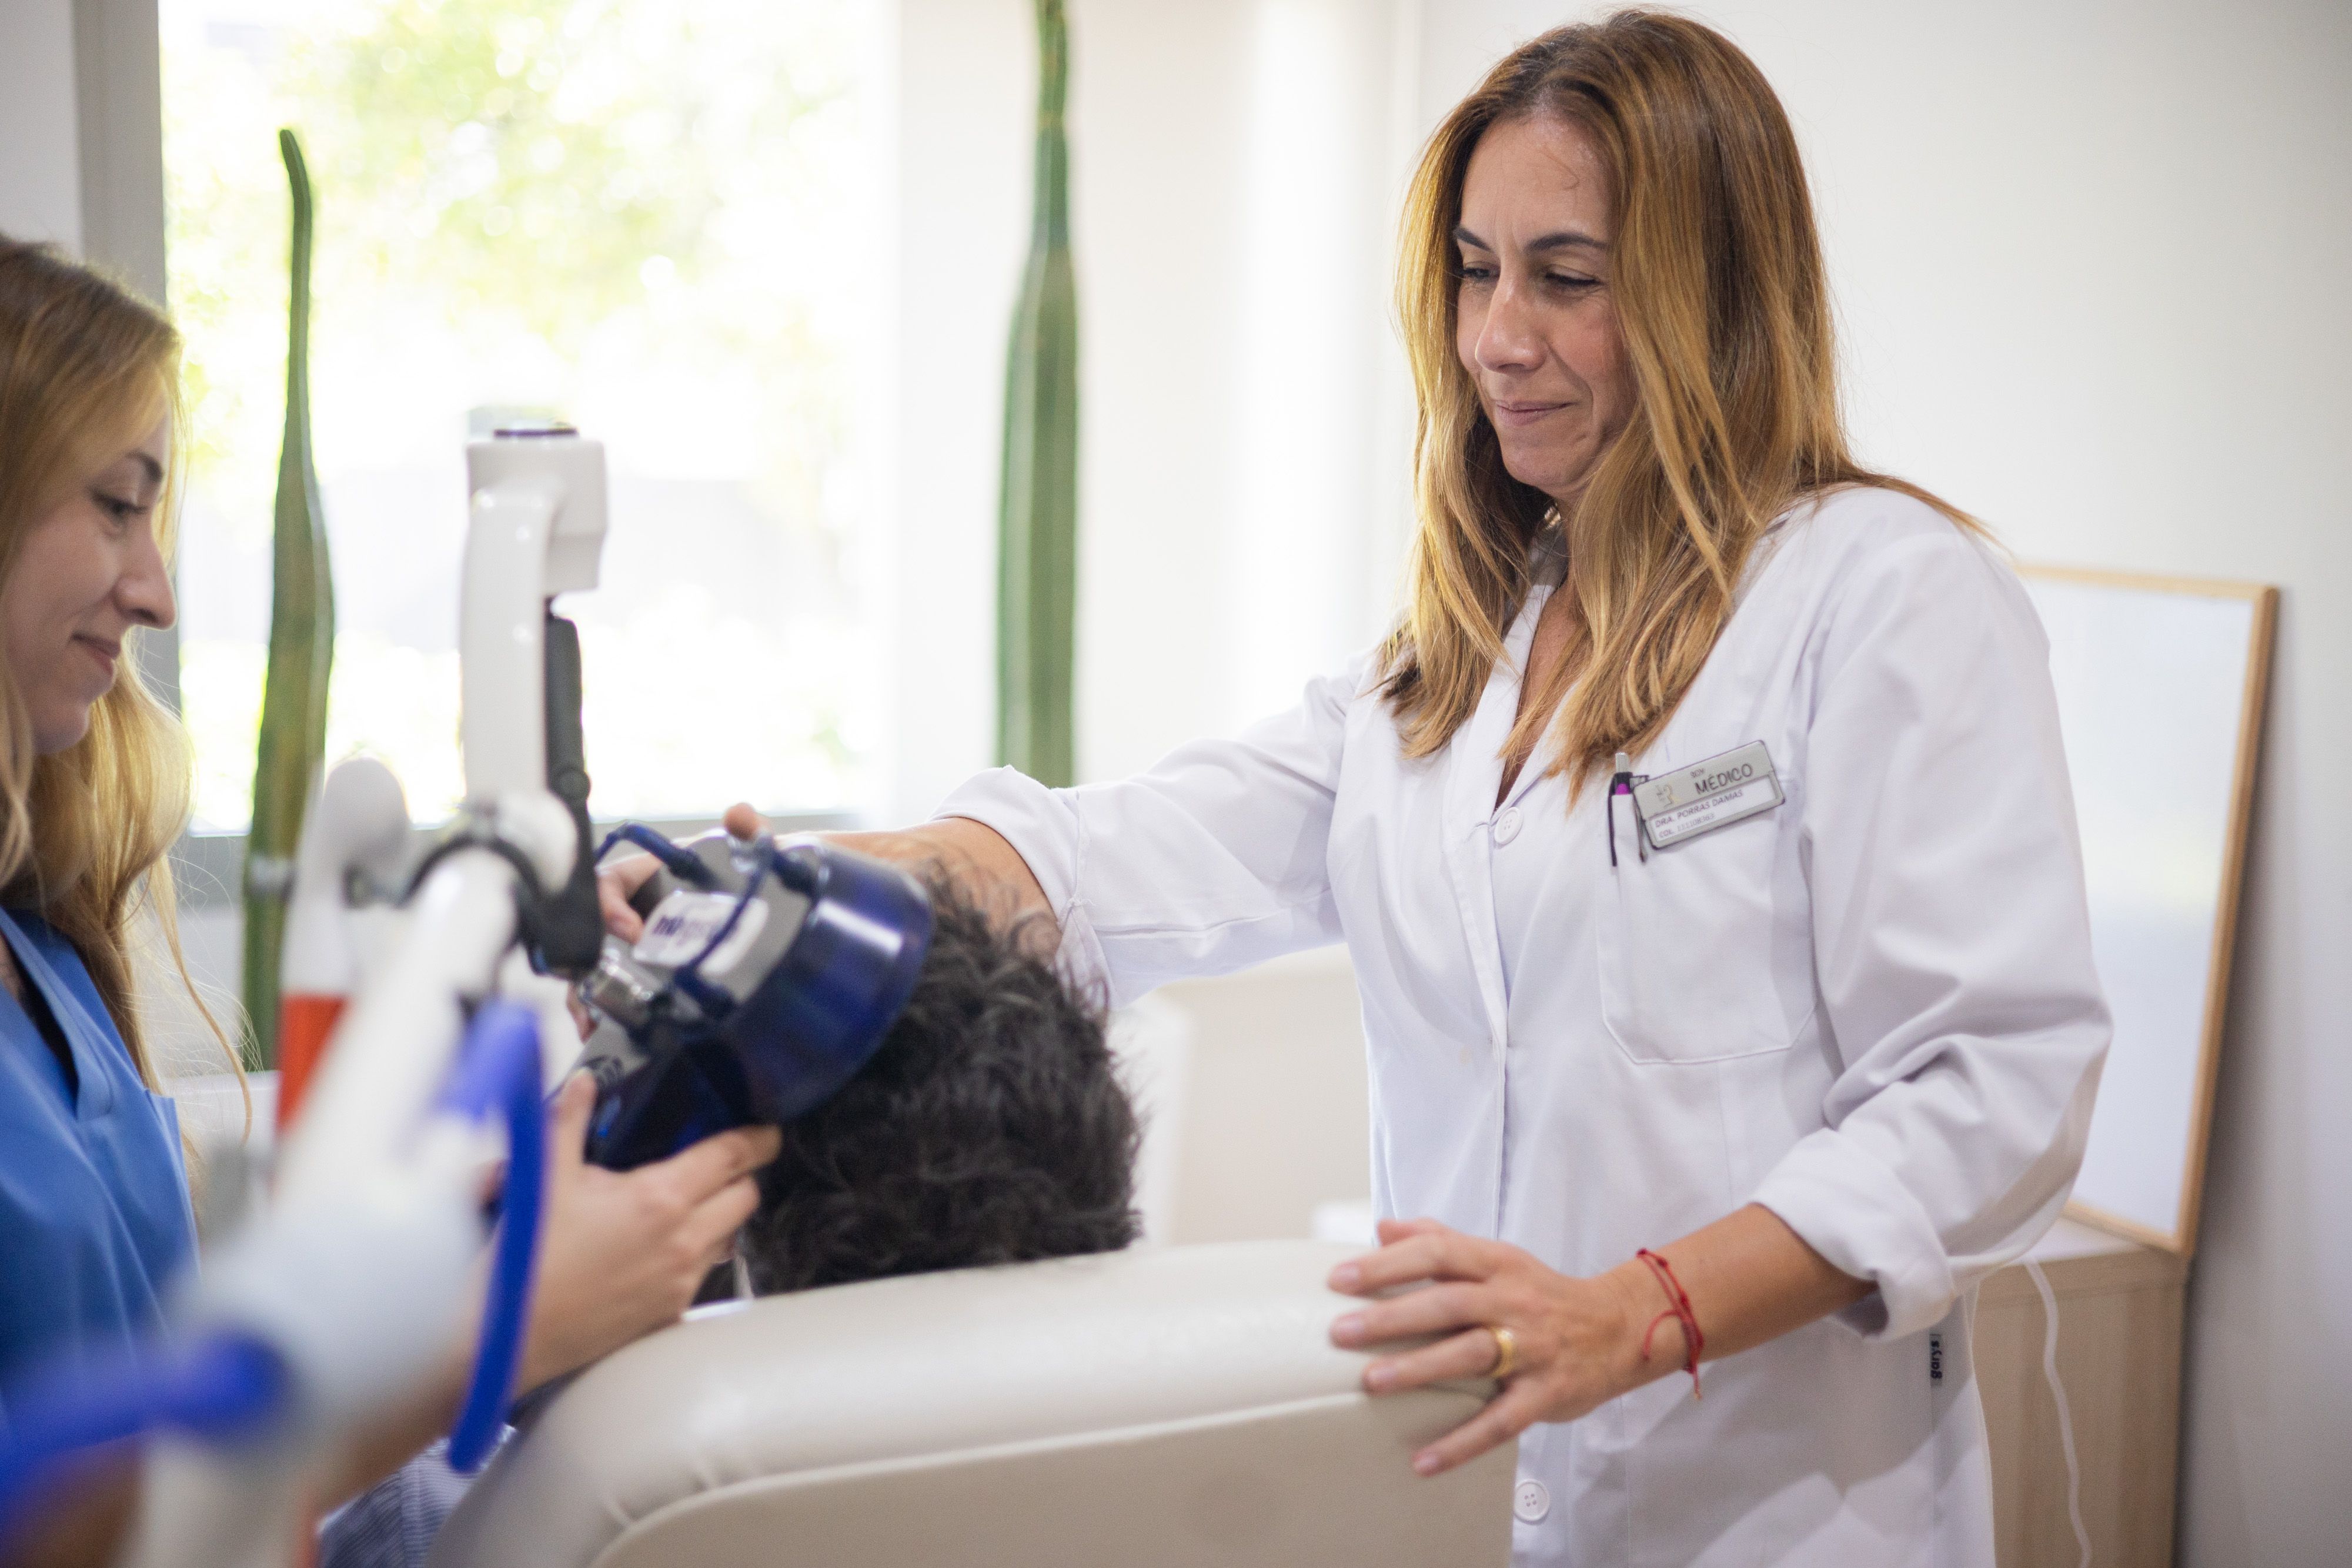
(1531, 1501)
(1506, 826)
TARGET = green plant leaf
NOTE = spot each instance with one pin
(301, 653)
(1037, 561)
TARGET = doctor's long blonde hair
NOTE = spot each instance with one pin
(1720, 294)
(86, 370)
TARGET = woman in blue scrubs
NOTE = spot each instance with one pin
(94, 1212)
(95, 1217)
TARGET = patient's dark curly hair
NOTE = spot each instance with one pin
(989, 1127)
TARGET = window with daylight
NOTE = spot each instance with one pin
(639, 215)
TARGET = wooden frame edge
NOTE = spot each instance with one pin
(2152, 582)
(2166, 1241)
(2262, 639)
(2263, 598)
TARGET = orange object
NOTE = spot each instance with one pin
(303, 1551)
(304, 1023)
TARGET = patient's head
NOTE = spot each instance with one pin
(990, 1126)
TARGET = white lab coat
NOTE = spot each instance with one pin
(1872, 1010)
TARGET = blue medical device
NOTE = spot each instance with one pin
(767, 974)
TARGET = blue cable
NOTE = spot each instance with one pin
(681, 862)
(225, 1386)
(498, 1068)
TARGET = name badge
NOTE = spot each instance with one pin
(1712, 794)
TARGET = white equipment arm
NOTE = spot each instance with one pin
(537, 530)
(357, 1274)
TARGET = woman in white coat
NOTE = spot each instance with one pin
(1702, 839)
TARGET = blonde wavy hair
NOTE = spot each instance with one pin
(1720, 293)
(86, 370)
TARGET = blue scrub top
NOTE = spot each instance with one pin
(94, 1216)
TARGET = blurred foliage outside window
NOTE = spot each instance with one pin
(643, 215)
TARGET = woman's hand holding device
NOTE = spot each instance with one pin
(626, 1250)
(621, 1256)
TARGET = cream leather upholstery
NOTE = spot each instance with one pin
(1153, 1408)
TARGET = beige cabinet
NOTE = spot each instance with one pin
(2119, 1313)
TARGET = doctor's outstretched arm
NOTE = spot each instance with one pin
(1209, 861)
(976, 855)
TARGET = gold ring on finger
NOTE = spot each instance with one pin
(1506, 1351)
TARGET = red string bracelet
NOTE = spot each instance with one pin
(1679, 1309)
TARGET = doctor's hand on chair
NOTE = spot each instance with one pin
(1572, 1344)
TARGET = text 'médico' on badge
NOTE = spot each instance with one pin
(1709, 795)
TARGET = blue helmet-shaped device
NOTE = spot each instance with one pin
(767, 974)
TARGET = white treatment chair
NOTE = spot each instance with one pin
(1153, 1408)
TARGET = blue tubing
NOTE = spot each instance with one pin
(498, 1068)
(681, 862)
(226, 1386)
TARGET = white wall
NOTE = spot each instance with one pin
(2090, 260)
(1236, 166)
(960, 149)
(1231, 321)
(81, 122)
(81, 161)
(40, 177)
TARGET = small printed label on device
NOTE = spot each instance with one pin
(1935, 1358)
(684, 923)
(1710, 795)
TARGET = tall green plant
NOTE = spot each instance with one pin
(1037, 569)
(301, 653)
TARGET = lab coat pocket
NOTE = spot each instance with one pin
(1709, 954)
